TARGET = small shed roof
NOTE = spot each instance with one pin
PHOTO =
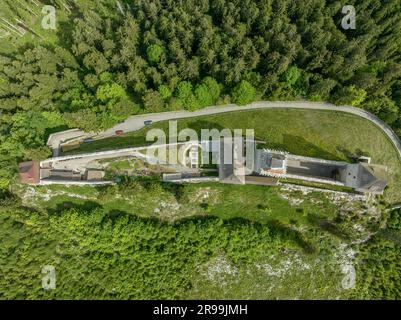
(368, 178)
(231, 170)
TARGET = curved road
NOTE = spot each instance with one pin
(136, 122)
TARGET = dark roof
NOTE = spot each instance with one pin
(227, 172)
(372, 178)
(365, 177)
(29, 172)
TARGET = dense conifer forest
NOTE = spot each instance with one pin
(109, 62)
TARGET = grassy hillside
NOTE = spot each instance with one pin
(266, 243)
(323, 134)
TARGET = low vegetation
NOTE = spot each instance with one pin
(380, 265)
(100, 255)
(175, 241)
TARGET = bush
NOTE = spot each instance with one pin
(186, 96)
(153, 102)
(96, 251)
(394, 220)
(154, 53)
(164, 92)
(243, 93)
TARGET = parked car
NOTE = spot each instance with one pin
(88, 140)
(148, 122)
(119, 132)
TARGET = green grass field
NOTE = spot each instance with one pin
(323, 134)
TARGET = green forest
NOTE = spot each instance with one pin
(105, 62)
(141, 257)
(121, 252)
(108, 59)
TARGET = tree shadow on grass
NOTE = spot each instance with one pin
(282, 230)
(326, 225)
(66, 205)
(300, 146)
(116, 214)
(112, 143)
(177, 190)
(148, 182)
(352, 156)
(28, 209)
(202, 124)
